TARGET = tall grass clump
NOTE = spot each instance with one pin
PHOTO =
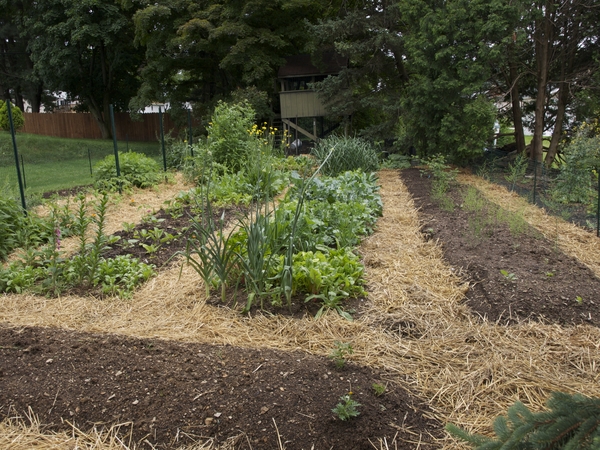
(350, 153)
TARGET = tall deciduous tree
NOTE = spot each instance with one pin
(201, 51)
(17, 77)
(85, 48)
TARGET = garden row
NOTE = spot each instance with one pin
(300, 244)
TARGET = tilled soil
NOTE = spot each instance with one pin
(171, 394)
(514, 275)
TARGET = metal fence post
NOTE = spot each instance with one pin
(14, 141)
(114, 133)
(162, 138)
(189, 113)
(598, 206)
(535, 171)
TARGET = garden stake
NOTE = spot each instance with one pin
(90, 160)
(23, 170)
(114, 133)
(162, 139)
(14, 141)
(189, 114)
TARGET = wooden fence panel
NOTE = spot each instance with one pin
(84, 126)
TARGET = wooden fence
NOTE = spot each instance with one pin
(84, 126)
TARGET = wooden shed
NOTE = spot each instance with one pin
(302, 111)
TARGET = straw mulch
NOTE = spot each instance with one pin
(573, 240)
(468, 371)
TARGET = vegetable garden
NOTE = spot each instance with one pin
(288, 303)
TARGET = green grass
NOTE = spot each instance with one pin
(57, 163)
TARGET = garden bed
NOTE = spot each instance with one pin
(514, 271)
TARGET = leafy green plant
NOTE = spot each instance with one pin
(121, 275)
(347, 408)
(579, 299)
(339, 354)
(379, 389)
(350, 153)
(572, 422)
(396, 161)
(136, 170)
(326, 271)
(508, 276)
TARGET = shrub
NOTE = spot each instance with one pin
(136, 170)
(17, 116)
(349, 154)
(229, 134)
(574, 182)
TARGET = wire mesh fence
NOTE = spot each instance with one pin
(574, 199)
(53, 164)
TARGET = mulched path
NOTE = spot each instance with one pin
(179, 393)
(542, 283)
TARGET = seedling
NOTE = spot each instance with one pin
(346, 409)
(579, 299)
(379, 389)
(549, 274)
(509, 276)
(128, 227)
(339, 353)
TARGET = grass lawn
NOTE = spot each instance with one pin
(52, 163)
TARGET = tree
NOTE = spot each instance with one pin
(17, 77)
(85, 48)
(203, 51)
(547, 66)
(447, 106)
(369, 34)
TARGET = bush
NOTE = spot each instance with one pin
(348, 154)
(229, 134)
(574, 182)
(17, 116)
(136, 170)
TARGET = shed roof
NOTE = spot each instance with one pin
(303, 66)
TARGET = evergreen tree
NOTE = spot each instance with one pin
(572, 422)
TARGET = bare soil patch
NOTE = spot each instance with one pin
(172, 394)
(514, 276)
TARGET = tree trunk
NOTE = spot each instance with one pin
(543, 38)
(100, 120)
(517, 113)
(563, 97)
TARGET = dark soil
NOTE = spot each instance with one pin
(179, 225)
(172, 394)
(539, 281)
